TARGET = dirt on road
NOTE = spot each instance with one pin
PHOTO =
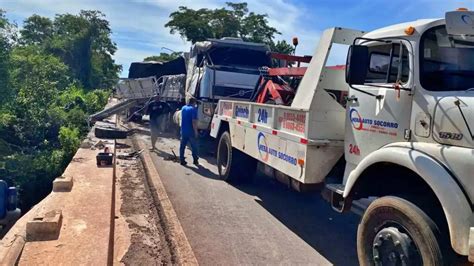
(148, 241)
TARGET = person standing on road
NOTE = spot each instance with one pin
(157, 109)
(189, 132)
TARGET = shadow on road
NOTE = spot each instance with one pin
(203, 171)
(167, 156)
(309, 216)
(143, 127)
(198, 169)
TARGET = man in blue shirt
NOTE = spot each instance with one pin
(189, 130)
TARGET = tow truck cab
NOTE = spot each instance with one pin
(410, 120)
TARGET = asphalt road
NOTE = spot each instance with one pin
(262, 222)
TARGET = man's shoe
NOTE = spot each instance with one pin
(183, 163)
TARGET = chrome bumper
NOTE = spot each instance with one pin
(471, 244)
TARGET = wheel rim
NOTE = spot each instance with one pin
(223, 158)
(394, 246)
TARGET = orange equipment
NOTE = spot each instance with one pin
(278, 85)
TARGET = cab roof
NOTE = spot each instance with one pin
(398, 30)
(226, 42)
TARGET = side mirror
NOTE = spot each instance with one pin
(357, 64)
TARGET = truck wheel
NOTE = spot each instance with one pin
(394, 231)
(225, 158)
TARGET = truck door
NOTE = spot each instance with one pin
(378, 112)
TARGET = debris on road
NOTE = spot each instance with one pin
(130, 156)
(173, 157)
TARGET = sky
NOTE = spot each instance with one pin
(138, 25)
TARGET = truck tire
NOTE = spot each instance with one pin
(232, 164)
(109, 132)
(394, 231)
(226, 159)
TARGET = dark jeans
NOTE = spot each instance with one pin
(154, 130)
(184, 141)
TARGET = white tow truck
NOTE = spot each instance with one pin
(404, 140)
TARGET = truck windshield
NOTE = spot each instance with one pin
(230, 56)
(447, 62)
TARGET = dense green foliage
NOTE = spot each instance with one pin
(163, 57)
(82, 42)
(53, 74)
(282, 47)
(235, 20)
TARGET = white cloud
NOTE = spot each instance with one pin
(139, 30)
(286, 17)
(138, 26)
(172, 5)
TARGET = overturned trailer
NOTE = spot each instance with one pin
(163, 73)
(145, 80)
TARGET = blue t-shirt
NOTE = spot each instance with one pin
(188, 114)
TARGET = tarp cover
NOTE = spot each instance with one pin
(157, 69)
(205, 46)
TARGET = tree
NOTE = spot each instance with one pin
(47, 76)
(36, 30)
(8, 30)
(231, 21)
(83, 42)
(37, 79)
(282, 47)
(234, 20)
(4, 59)
(163, 57)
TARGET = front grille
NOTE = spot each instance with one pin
(241, 93)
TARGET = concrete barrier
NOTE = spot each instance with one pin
(45, 226)
(63, 183)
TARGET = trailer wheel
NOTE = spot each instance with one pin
(227, 159)
(394, 231)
